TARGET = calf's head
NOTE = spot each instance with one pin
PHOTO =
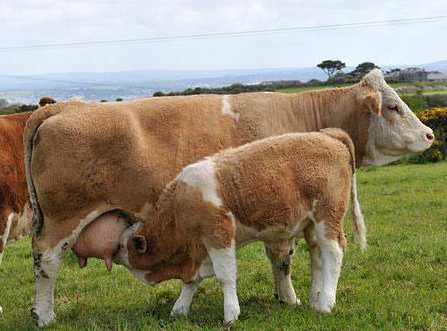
(134, 252)
(394, 130)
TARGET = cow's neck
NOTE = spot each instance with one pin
(338, 108)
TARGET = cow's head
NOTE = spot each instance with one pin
(394, 130)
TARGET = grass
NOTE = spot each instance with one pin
(399, 283)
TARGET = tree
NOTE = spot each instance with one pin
(363, 68)
(330, 67)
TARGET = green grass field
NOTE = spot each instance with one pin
(399, 283)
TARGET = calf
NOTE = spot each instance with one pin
(272, 190)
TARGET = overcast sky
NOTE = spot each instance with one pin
(28, 22)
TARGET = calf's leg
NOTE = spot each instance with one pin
(315, 258)
(280, 256)
(331, 261)
(183, 303)
(224, 265)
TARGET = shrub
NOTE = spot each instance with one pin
(435, 118)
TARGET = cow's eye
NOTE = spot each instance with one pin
(394, 108)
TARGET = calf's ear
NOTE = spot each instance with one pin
(372, 102)
(140, 244)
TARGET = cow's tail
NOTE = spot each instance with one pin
(357, 215)
(29, 140)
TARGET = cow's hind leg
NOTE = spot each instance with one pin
(280, 256)
(47, 261)
(49, 248)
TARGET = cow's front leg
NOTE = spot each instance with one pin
(47, 261)
(224, 265)
(280, 256)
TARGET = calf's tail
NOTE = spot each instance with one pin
(357, 215)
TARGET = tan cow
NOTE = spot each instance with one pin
(270, 190)
(87, 159)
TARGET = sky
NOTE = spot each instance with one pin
(30, 22)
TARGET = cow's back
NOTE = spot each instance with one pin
(92, 156)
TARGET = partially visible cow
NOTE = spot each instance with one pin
(271, 190)
(84, 160)
(15, 214)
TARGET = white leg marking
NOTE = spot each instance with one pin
(331, 259)
(224, 264)
(6, 233)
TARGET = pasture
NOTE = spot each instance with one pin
(399, 283)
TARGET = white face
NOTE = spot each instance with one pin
(396, 131)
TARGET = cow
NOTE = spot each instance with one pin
(84, 160)
(15, 213)
(271, 190)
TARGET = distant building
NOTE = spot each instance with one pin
(415, 74)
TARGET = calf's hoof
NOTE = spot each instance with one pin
(42, 320)
(288, 300)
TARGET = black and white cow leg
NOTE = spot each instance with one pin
(281, 257)
(46, 267)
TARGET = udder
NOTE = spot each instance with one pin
(100, 239)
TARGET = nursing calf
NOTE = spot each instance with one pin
(271, 190)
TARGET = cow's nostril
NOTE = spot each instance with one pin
(430, 136)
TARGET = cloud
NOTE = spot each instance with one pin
(26, 22)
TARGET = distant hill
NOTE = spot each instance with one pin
(436, 66)
(143, 83)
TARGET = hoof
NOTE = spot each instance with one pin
(179, 311)
(231, 315)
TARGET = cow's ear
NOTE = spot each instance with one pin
(140, 244)
(373, 102)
